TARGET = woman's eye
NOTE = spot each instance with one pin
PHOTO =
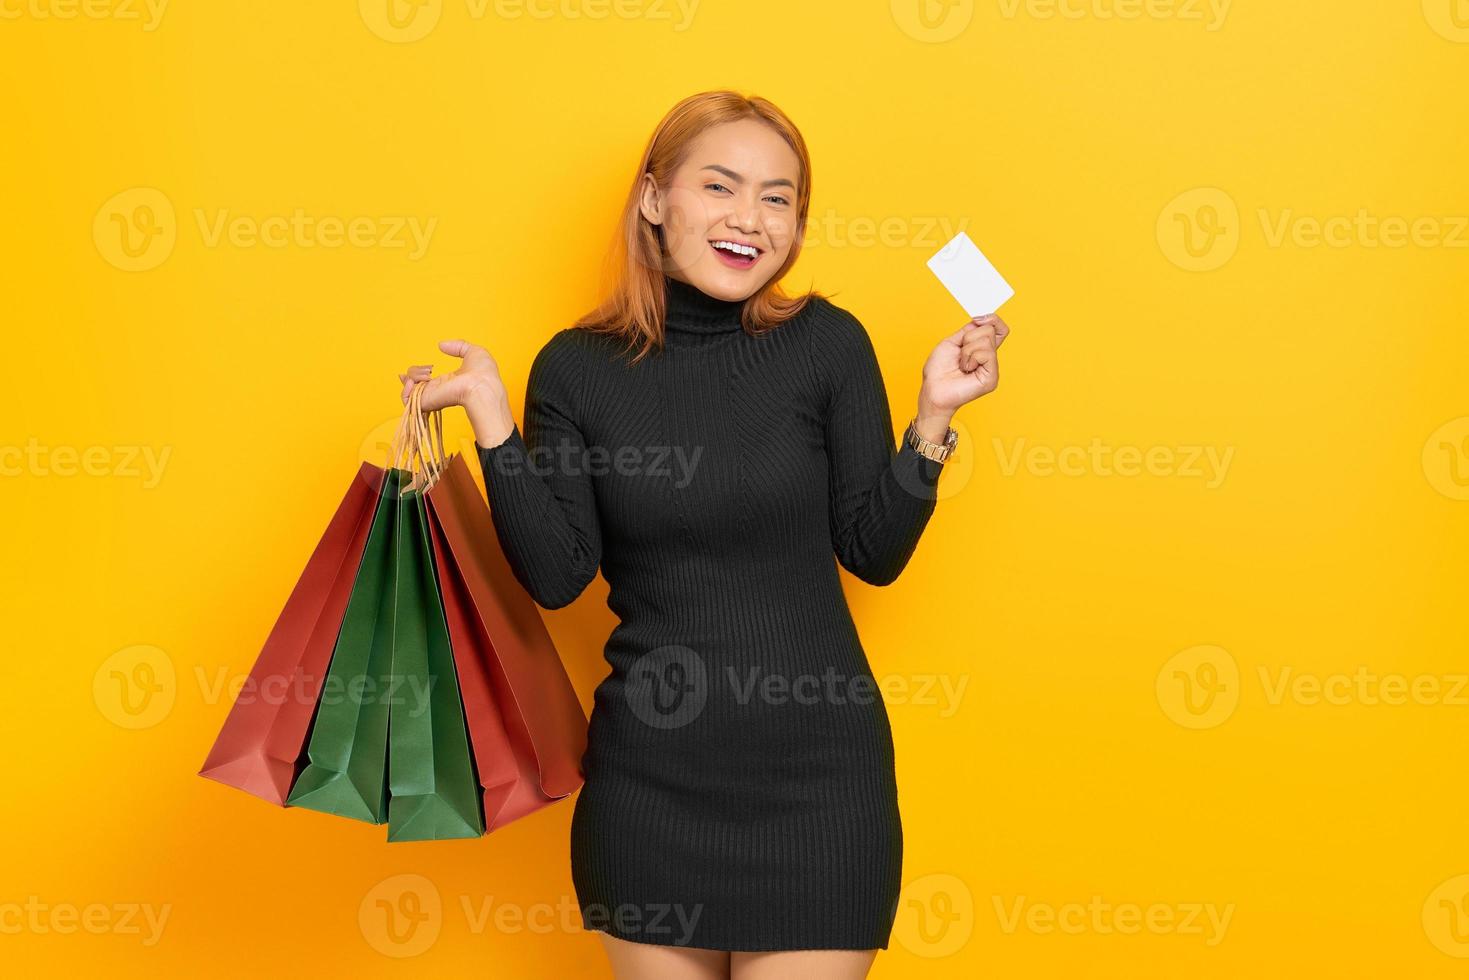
(777, 199)
(714, 186)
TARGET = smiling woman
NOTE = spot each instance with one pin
(719, 201)
(723, 830)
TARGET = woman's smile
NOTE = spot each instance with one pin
(735, 253)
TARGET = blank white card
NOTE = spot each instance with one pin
(974, 281)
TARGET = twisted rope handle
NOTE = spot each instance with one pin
(418, 445)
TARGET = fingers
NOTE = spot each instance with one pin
(456, 348)
(978, 348)
(1001, 328)
(415, 374)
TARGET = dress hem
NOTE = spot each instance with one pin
(743, 947)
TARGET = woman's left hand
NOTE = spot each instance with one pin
(963, 366)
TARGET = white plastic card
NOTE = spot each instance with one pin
(970, 277)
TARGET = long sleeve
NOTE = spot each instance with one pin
(881, 495)
(540, 493)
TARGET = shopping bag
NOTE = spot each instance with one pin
(259, 745)
(347, 749)
(433, 793)
(527, 726)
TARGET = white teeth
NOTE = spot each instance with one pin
(746, 250)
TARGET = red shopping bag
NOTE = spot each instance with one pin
(261, 739)
(525, 723)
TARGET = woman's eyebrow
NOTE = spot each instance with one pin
(778, 182)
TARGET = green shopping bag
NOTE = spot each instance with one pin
(349, 736)
(433, 789)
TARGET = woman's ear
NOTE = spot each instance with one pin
(650, 201)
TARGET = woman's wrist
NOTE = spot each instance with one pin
(489, 415)
(932, 423)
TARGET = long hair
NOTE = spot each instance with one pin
(634, 308)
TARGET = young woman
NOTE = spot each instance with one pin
(710, 443)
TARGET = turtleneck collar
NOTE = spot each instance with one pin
(694, 313)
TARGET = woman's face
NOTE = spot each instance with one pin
(729, 214)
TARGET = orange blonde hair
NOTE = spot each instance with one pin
(634, 308)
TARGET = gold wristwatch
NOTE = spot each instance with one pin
(932, 450)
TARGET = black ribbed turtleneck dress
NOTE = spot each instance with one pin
(740, 790)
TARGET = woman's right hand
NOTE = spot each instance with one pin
(477, 377)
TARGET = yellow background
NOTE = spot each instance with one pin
(1074, 764)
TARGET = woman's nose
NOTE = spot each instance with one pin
(744, 216)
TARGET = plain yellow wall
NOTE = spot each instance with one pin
(1176, 674)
